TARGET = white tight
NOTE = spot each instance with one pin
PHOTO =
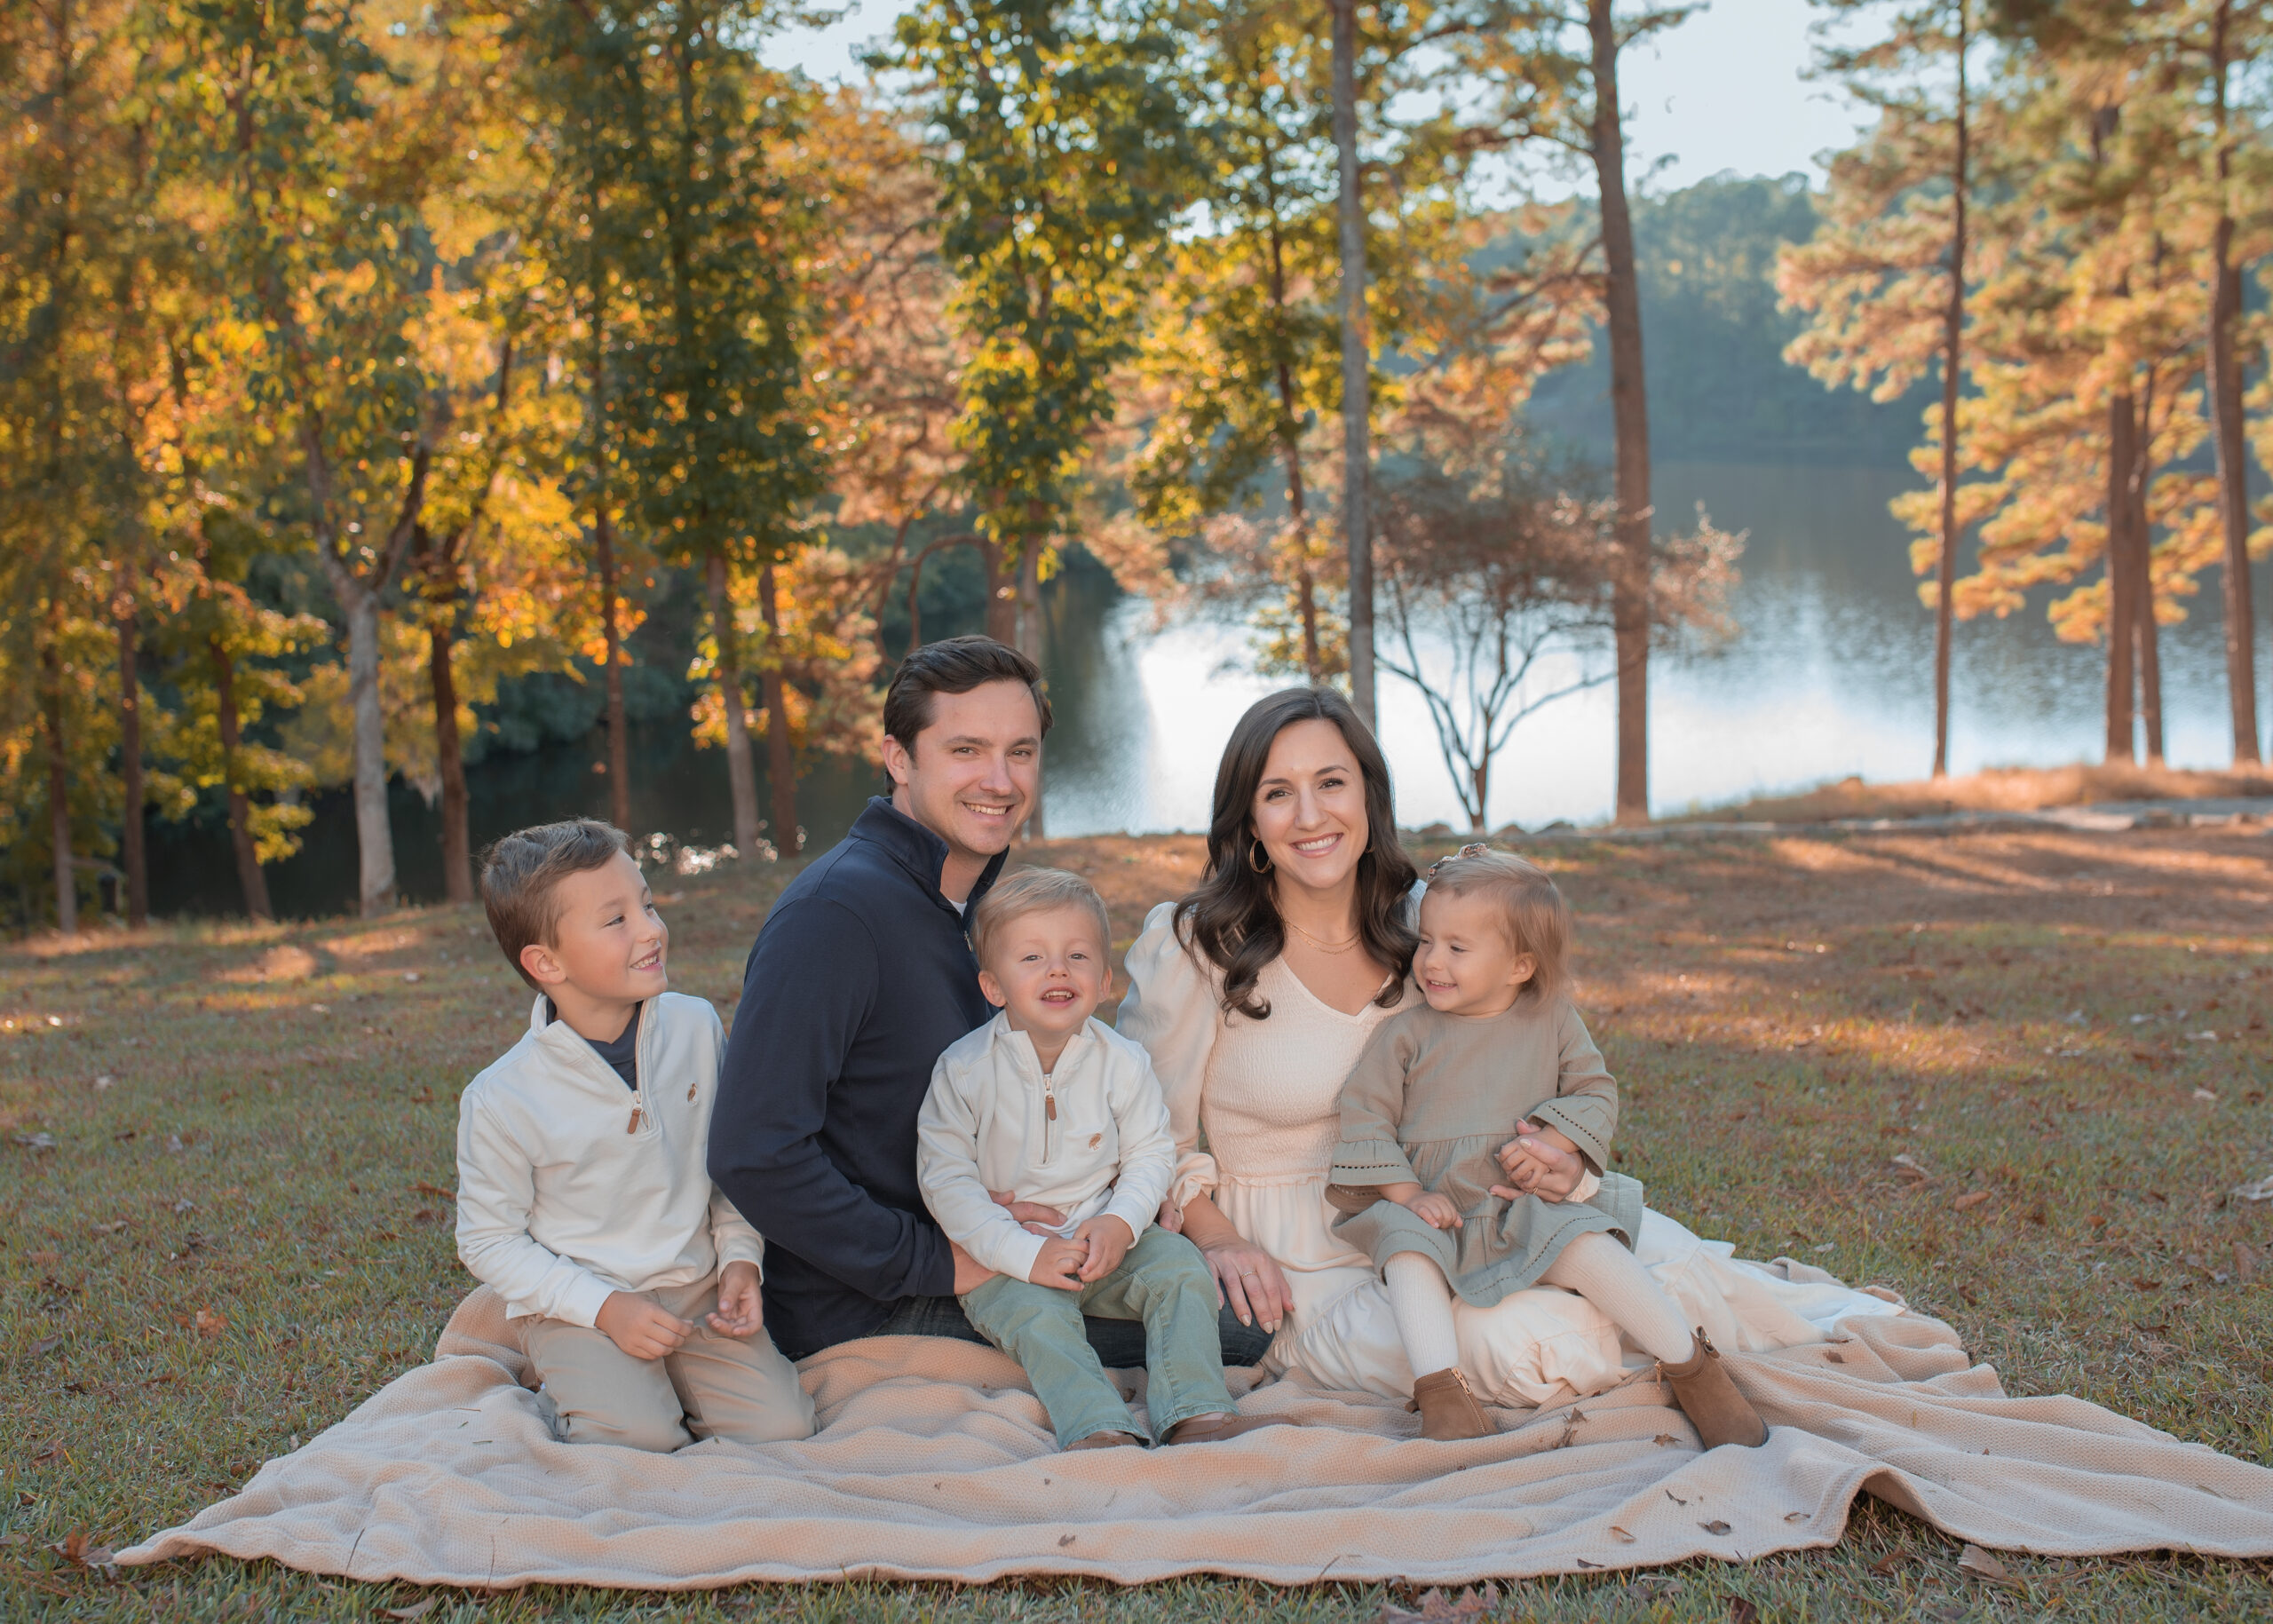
(1594, 1265)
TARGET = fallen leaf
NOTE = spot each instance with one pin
(1835, 1358)
(109, 1229)
(2205, 1095)
(1676, 1499)
(1662, 1439)
(1887, 1563)
(2146, 1285)
(2245, 1261)
(47, 1344)
(1970, 1200)
(1622, 1537)
(80, 1550)
(1980, 1564)
(415, 1610)
(209, 1323)
(423, 1188)
(1716, 1526)
(1064, 1539)
(1795, 1516)
(48, 1451)
(1742, 1611)
(185, 1205)
(37, 1141)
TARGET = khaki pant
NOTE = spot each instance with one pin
(714, 1386)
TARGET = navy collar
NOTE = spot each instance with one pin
(920, 852)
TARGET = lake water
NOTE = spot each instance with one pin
(1831, 674)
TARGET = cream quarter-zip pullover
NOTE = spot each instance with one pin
(571, 1186)
(1092, 1137)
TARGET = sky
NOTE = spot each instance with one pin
(1721, 91)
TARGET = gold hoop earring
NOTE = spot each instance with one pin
(1253, 853)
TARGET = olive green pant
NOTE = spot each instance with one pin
(738, 1387)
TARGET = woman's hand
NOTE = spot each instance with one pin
(1033, 1216)
(1246, 1275)
(1249, 1280)
(1537, 1166)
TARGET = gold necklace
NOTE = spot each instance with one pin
(1321, 946)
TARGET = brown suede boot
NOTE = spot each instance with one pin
(1448, 1409)
(1701, 1386)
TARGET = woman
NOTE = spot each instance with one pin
(1254, 996)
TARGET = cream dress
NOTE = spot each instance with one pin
(1261, 1096)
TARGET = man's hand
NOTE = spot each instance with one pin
(1108, 1238)
(1033, 1216)
(640, 1328)
(742, 1307)
(1538, 1161)
(970, 1274)
(1060, 1264)
(1435, 1210)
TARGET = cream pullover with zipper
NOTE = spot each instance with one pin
(1091, 1137)
(571, 1186)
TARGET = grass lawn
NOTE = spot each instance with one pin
(1977, 1069)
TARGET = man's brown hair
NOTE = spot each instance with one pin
(1035, 891)
(1531, 910)
(521, 875)
(953, 665)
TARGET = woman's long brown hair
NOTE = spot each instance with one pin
(1232, 915)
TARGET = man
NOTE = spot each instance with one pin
(861, 976)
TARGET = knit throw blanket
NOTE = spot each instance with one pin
(934, 1462)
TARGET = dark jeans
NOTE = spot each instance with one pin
(1119, 1343)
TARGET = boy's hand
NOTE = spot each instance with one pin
(741, 1306)
(1109, 1240)
(1060, 1264)
(1435, 1210)
(640, 1328)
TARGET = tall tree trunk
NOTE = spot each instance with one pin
(1030, 645)
(449, 760)
(133, 850)
(374, 833)
(2227, 424)
(250, 878)
(2146, 638)
(619, 749)
(1290, 450)
(58, 798)
(780, 764)
(1002, 595)
(1630, 410)
(1357, 366)
(742, 775)
(2121, 618)
(1953, 372)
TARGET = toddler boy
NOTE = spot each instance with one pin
(582, 1193)
(1047, 1104)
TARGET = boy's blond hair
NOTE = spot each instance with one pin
(1035, 891)
(521, 875)
(1531, 910)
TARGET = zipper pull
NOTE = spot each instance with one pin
(633, 1126)
(1050, 1105)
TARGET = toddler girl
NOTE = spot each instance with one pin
(1440, 1087)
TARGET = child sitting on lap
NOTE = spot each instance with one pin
(1439, 1088)
(1049, 1104)
(582, 1193)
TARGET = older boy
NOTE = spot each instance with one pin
(583, 1196)
(1049, 1104)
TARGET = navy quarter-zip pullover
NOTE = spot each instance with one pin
(860, 978)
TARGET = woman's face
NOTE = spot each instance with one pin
(1310, 809)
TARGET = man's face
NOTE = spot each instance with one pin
(972, 776)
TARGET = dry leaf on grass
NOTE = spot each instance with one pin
(1716, 1526)
(209, 1323)
(1742, 1611)
(1437, 1608)
(81, 1550)
(1887, 1563)
(415, 1610)
(1980, 1564)
(1970, 1200)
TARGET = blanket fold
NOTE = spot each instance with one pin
(934, 1462)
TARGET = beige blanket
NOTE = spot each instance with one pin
(934, 1462)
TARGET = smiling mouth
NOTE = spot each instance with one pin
(1319, 847)
(1059, 995)
(654, 961)
(988, 809)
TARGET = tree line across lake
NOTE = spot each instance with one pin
(380, 383)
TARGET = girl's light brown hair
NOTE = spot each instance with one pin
(1037, 890)
(1536, 918)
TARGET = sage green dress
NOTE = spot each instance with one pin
(1430, 1099)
